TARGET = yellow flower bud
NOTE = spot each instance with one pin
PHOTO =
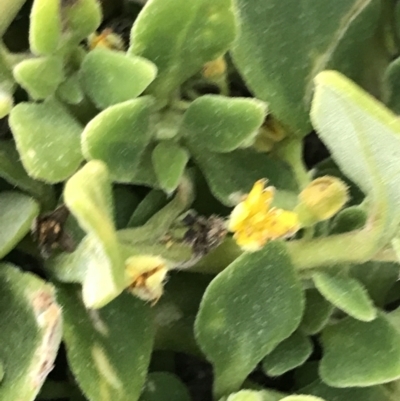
(215, 68)
(106, 40)
(321, 199)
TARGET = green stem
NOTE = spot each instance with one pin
(291, 151)
(353, 247)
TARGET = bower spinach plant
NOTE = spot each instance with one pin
(155, 200)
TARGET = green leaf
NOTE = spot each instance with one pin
(169, 161)
(82, 17)
(8, 11)
(222, 124)
(363, 138)
(40, 76)
(360, 354)
(246, 311)
(346, 294)
(349, 219)
(111, 77)
(180, 37)
(45, 26)
(392, 85)
(6, 102)
(108, 350)
(17, 213)
(88, 196)
(251, 395)
(72, 267)
(70, 90)
(47, 139)
(377, 277)
(175, 313)
(317, 313)
(163, 386)
(126, 201)
(302, 398)
(31, 332)
(289, 354)
(151, 203)
(270, 28)
(12, 171)
(373, 393)
(231, 175)
(118, 136)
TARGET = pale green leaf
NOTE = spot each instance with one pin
(108, 350)
(247, 310)
(17, 213)
(31, 328)
(360, 354)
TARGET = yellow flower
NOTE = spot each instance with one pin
(254, 222)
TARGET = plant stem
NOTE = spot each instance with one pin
(291, 151)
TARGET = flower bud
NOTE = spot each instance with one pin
(145, 276)
(321, 199)
(215, 68)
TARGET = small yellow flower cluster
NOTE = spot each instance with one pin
(254, 222)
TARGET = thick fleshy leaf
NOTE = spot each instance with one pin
(41, 76)
(302, 398)
(345, 293)
(364, 139)
(169, 161)
(45, 26)
(30, 334)
(317, 312)
(125, 201)
(6, 101)
(252, 395)
(111, 77)
(289, 354)
(175, 313)
(108, 350)
(8, 11)
(246, 311)
(47, 138)
(13, 172)
(270, 28)
(222, 124)
(231, 175)
(118, 136)
(373, 393)
(70, 91)
(150, 205)
(88, 196)
(82, 17)
(180, 36)
(360, 354)
(163, 386)
(392, 85)
(157, 226)
(17, 212)
(377, 277)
